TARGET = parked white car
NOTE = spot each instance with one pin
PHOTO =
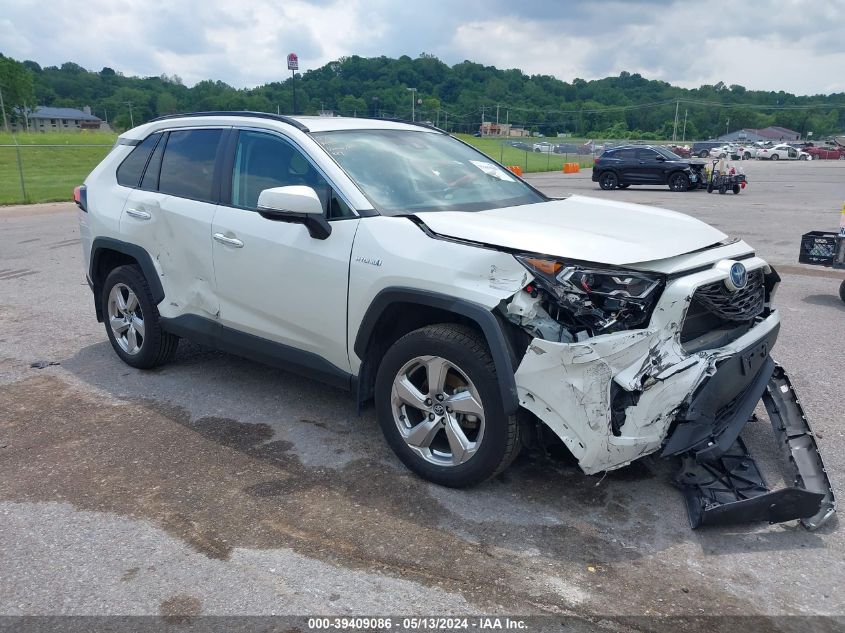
(782, 152)
(726, 151)
(396, 262)
(544, 147)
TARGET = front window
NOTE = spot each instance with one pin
(407, 171)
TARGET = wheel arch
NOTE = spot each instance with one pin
(107, 254)
(395, 312)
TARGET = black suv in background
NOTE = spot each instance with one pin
(646, 165)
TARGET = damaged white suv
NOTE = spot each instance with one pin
(397, 262)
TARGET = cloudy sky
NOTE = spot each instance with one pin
(793, 45)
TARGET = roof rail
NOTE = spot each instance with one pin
(244, 113)
(425, 125)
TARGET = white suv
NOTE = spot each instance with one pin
(399, 263)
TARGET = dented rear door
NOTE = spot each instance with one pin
(170, 216)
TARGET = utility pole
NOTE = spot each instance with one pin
(685, 125)
(131, 118)
(482, 120)
(3, 108)
(675, 127)
(497, 117)
(727, 123)
(446, 113)
(25, 116)
(413, 104)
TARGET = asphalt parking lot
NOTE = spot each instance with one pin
(216, 485)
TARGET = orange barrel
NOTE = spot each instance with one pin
(571, 168)
(516, 169)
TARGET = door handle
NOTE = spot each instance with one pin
(228, 241)
(139, 214)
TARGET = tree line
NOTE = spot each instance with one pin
(454, 97)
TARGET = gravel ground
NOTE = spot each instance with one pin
(215, 485)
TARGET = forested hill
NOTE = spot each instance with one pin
(454, 96)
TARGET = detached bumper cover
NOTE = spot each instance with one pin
(726, 486)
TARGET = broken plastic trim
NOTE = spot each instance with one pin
(792, 428)
(729, 488)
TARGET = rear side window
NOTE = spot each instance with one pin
(626, 154)
(187, 168)
(130, 170)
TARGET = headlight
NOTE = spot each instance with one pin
(600, 300)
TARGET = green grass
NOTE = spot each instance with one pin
(50, 173)
(499, 150)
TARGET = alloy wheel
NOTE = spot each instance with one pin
(437, 410)
(126, 319)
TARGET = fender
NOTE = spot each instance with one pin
(134, 251)
(479, 314)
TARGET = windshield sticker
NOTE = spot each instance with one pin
(491, 170)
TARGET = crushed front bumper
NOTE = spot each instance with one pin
(617, 397)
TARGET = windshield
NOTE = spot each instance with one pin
(406, 171)
(667, 154)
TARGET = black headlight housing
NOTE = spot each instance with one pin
(593, 298)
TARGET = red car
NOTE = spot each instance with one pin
(681, 150)
(829, 152)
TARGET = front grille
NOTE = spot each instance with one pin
(728, 305)
(716, 316)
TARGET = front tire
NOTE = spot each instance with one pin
(608, 180)
(679, 182)
(132, 321)
(440, 408)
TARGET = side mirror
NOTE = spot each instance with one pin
(296, 204)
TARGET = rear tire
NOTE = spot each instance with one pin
(608, 180)
(842, 291)
(132, 321)
(774, 157)
(746, 156)
(703, 153)
(427, 386)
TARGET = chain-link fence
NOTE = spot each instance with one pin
(45, 172)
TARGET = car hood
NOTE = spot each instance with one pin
(581, 228)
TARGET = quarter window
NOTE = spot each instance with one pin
(130, 170)
(187, 168)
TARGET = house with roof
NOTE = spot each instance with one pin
(47, 119)
(771, 133)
